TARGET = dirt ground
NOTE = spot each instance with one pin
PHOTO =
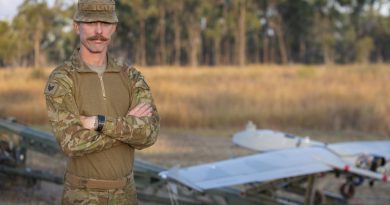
(174, 147)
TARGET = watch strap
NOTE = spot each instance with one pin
(101, 120)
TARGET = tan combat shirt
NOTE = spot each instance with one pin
(73, 90)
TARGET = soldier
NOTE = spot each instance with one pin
(100, 111)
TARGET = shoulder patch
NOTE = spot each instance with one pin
(51, 88)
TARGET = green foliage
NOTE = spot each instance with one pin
(193, 32)
(364, 48)
(35, 33)
(5, 34)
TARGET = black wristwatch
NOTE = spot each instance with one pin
(101, 119)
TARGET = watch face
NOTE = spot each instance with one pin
(101, 120)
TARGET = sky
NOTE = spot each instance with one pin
(8, 8)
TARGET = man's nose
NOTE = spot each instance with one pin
(98, 28)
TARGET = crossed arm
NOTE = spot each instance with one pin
(141, 110)
(75, 133)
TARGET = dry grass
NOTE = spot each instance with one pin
(353, 97)
(333, 98)
(300, 99)
(21, 95)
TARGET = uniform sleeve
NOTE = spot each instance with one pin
(64, 118)
(138, 132)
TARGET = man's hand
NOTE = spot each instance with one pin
(141, 110)
(88, 122)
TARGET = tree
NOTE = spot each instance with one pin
(215, 30)
(140, 11)
(192, 14)
(161, 32)
(242, 33)
(364, 47)
(37, 32)
(6, 43)
(276, 22)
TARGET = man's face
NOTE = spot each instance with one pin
(95, 36)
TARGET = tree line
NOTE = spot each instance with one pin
(212, 32)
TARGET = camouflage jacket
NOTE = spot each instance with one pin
(65, 105)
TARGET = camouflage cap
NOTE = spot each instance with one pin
(96, 10)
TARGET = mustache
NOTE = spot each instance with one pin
(97, 37)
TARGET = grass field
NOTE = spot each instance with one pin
(336, 98)
(201, 107)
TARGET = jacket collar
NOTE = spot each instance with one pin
(79, 65)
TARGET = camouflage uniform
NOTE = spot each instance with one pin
(100, 168)
(109, 196)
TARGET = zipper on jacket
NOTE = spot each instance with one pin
(102, 86)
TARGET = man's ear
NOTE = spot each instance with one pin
(76, 27)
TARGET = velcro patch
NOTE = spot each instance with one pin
(51, 88)
(97, 7)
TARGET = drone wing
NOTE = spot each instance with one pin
(255, 168)
(379, 148)
(268, 140)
